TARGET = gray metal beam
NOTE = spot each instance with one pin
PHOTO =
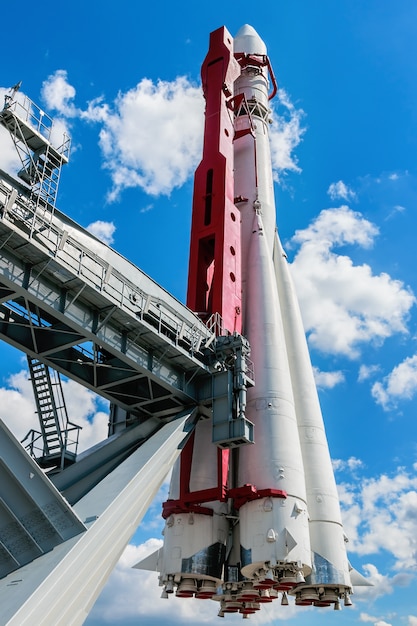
(34, 517)
(74, 303)
(61, 586)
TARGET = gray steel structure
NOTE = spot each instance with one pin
(72, 303)
(83, 309)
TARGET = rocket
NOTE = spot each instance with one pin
(254, 521)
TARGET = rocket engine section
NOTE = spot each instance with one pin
(248, 519)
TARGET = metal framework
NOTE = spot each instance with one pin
(74, 305)
(84, 310)
(56, 444)
(31, 130)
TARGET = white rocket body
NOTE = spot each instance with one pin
(330, 564)
(291, 450)
(281, 528)
(195, 543)
(273, 531)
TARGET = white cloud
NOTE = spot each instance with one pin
(338, 227)
(367, 371)
(412, 620)
(380, 514)
(9, 159)
(364, 617)
(82, 405)
(152, 136)
(397, 209)
(344, 305)
(58, 94)
(18, 405)
(351, 464)
(103, 231)
(340, 190)
(285, 134)
(381, 585)
(327, 380)
(148, 142)
(400, 384)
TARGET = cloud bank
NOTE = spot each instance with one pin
(151, 136)
(345, 306)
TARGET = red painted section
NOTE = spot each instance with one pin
(214, 275)
(176, 506)
(190, 501)
(247, 493)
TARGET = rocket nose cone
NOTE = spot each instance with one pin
(248, 41)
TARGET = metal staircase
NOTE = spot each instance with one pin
(31, 130)
(56, 443)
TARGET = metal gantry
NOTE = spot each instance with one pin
(69, 300)
(75, 306)
(32, 132)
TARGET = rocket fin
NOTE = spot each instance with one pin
(151, 563)
(357, 579)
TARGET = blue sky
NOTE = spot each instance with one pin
(125, 82)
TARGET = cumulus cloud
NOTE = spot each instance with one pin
(9, 159)
(286, 132)
(18, 405)
(381, 585)
(124, 601)
(350, 464)
(400, 384)
(367, 371)
(345, 306)
(146, 139)
(364, 617)
(151, 138)
(103, 231)
(148, 142)
(341, 191)
(58, 94)
(151, 135)
(327, 380)
(380, 514)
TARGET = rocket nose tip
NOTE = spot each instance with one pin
(248, 41)
(246, 29)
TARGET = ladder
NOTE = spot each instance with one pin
(57, 440)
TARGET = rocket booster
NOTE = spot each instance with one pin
(250, 519)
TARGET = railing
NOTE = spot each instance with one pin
(30, 113)
(75, 257)
(34, 443)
